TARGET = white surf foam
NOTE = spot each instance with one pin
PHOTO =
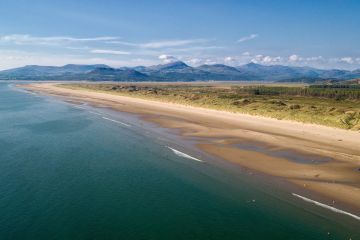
(181, 154)
(112, 120)
(327, 206)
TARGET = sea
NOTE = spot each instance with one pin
(73, 171)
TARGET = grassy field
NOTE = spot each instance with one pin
(336, 106)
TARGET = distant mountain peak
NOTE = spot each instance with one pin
(253, 65)
(176, 64)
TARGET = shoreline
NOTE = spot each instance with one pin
(219, 132)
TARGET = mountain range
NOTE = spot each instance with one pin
(177, 71)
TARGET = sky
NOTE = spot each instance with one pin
(318, 33)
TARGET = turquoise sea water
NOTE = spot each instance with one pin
(69, 173)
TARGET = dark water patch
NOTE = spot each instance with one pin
(291, 155)
(57, 126)
(301, 158)
(6, 144)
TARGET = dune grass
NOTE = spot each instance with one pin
(339, 108)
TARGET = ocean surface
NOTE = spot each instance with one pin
(79, 172)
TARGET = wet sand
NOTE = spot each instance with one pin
(331, 171)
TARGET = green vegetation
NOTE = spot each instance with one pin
(331, 105)
(338, 92)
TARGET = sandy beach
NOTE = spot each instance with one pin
(333, 174)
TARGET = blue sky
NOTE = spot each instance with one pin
(323, 33)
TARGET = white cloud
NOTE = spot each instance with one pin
(22, 39)
(246, 54)
(197, 61)
(113, 52)
(161, 44)
(344, 62)
(167, 58)
(348, 60)
(267, 59)
(277, 59)
(247, 38)
(194, 61)
(228, 59)
(294, 58)
(78, 48)
(314, 59)
(259, 58)
(211, 61)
